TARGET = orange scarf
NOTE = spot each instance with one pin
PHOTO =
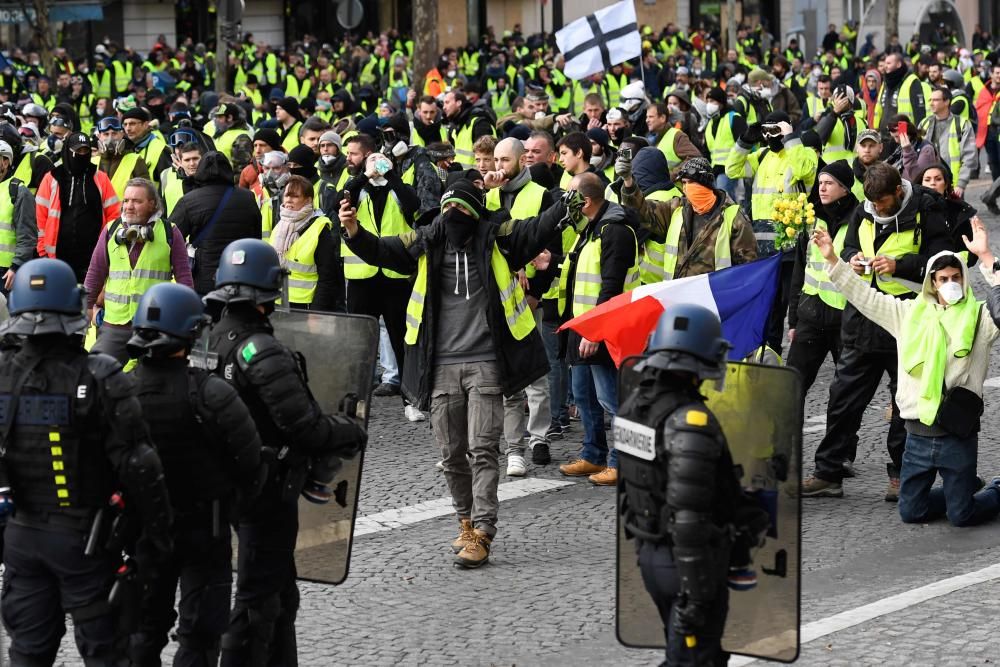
(702, 199)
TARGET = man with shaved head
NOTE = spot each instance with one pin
(603, 263)
(524, 199)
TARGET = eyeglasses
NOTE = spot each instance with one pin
(109, 124)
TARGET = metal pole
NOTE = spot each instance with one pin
(221, 48)
(731, 21)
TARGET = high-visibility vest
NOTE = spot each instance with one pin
(300, 259)
(123, 173)
(417, 140)
(904, 104)
(100, 83)
(587, 279)
(224, 143)
(48, 104)
(816, 279)
(954, 157)
(393, 224)
(723, 256)
(291, 139)
(773, 178)
(527, 202)
(8, 238)
(814, 105)
(173, 189)
(899, 244)
(151, 156)
(126, 285)
(268, 214)
(520, 319)
(297, 89)
(834, 148)
(615, 86)
(48, 209)
(720, 141)
(651, 262)
(666, 146)
(463, 141)
(123, 74)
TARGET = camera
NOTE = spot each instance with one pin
(625, 154)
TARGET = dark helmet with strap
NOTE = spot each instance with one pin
(168, 319)
(45, 299)
(249, 272)
(688, 338)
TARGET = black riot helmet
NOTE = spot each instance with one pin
(45, 299)
(688, 338)
(250, 272)
(167, 320)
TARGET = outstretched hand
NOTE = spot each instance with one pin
(979, 244)
(825, 244)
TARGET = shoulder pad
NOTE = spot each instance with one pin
(102, 365)
(214, 392)
(108, 372)
(257, 347)
(694, 417)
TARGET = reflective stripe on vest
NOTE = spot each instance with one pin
(8, 238)
(723, 256)
(123, 173)
(126, 285)
(899, 244)
(520, 319)
(651, 261)
(834, 148)
(300, 260)
(587, 279)
(393, 224)
(816, 279)
(666, 146)
(463, 146)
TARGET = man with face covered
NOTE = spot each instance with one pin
(74, 202)
(150, 147)
(232, 135)
(118, 161)
(272, 181)
(386, 207)
(888, 243)
(470, 337)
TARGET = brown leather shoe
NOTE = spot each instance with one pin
(477, 552)
(607, 477)
(464, 535)
(579, 468)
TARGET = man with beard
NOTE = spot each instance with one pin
(74, 202)
(466, 349)
(524, 199)
(386, 206)
(672, 141)
(466, 125)
(901, 93)
(427, 127)
(333, 174)
(868, 151)
(888, 242)
(151, 148)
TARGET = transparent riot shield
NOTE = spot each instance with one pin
(340, 352)
(761, 415)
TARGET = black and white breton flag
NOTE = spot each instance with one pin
(600, 40)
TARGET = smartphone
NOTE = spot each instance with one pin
(902, 128)
(625, 153)
(346, 194)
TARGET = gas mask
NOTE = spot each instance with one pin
(129, 234)
(274, 182)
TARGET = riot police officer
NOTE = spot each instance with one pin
(270, 381)
(679, 495)
(210, 451)
(72, 437)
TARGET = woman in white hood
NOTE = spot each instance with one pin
(944, 342)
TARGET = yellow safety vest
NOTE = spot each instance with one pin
(587, 281)
(295, 88)
(393, 224)
(173, 190)
(151, 156)
(904, 105)
(816, 279)
(417, 140)
(723, 256)
(720, 142)
(267, 211)
(651, 262)
(520, 319)
(123, 173)
(100, 82)
(954, 144)
(527, 202)
(464, 154)
(666, 146)
(899, 244)
(291, 139)
(126, 285)
(834, 148)
(224, 143)
(8, 238)
(300, 260)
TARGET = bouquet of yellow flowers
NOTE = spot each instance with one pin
(792, 214)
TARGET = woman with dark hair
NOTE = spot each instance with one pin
(907, 151)
(958, 213)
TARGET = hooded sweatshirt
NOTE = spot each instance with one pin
(893, 315)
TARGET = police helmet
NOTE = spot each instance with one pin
(249, 271)
(45, 299)
(688, 338)
(168, 319)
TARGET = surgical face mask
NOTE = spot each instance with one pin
(595, 160)
(765, 93)
(952, 292)
(712, 108)
(328, 159)
(673, 108)
(817, 71)
(740, 78)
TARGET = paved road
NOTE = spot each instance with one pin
(547, 598)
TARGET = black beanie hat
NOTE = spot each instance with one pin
(269, 137)
(840, 171)
(464, 192)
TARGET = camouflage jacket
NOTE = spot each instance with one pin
(698, 256)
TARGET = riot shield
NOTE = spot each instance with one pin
(340, 352)
(761, 415)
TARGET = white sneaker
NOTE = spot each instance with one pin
(413, 414)
(439, 465)
(516, 466)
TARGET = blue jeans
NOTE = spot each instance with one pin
(723, 182)
(957, 497)
(558, 373)
(596, 390)
(387, 359)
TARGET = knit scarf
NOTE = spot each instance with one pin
(290, 225)
(931, 335)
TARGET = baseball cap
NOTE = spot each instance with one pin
(870, 135)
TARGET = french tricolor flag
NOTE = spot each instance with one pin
(741, 296)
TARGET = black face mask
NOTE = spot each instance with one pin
(77, 164)
(459, 227)
(309, 173)
(775, 144)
